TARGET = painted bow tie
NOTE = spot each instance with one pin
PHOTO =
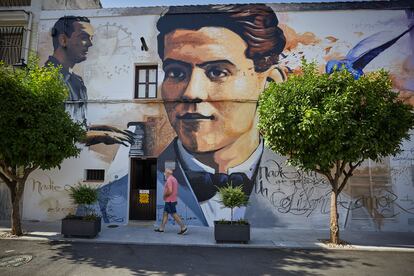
(205, 184)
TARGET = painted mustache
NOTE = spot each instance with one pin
(194, 116)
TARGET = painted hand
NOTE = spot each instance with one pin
(108, 135)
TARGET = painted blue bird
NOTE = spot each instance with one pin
(363, 53)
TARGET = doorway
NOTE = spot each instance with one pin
(143, 193)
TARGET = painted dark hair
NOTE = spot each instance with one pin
(64, 25)
(256, 24)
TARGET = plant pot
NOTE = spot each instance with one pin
(76, 226)
(234, 232)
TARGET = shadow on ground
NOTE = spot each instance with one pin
(185, 260)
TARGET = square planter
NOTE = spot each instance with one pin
(231, 232)
(78, 227)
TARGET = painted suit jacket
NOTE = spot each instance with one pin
(76, 103)
(282, 195)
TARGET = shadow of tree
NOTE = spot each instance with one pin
(186, 260)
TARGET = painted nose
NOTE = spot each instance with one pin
(87, 42)
(197, 87)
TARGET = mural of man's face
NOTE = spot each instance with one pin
(78, 43)
(210, 87)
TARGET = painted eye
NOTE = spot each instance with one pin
(175, 73)
(217, 73)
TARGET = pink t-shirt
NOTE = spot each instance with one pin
(172, 184)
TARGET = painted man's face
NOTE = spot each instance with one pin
(210, 89)
(78, 43)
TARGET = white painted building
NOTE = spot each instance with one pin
(123, 74)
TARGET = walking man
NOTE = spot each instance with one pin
(170, 199)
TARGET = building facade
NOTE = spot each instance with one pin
(177, 87)
(19, 24)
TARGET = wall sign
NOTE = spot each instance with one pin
(143, 197)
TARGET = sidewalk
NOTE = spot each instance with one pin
(143, 233)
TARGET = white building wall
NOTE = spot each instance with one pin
(109, 75)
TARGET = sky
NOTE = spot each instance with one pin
(149, 3)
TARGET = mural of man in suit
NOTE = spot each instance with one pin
(216, 64)
(72, 37)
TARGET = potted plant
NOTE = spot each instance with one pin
(232, 231)
(87, 223)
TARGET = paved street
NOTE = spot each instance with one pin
(64, 258)
(142, 233)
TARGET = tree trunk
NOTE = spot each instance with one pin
(16, 195)
(334, 227)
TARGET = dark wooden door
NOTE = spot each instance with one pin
(143, 194)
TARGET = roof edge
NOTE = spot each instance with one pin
(320, 6)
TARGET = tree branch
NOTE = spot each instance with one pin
(14, 173)
(343, 166)
(28, 171)
(7, 181)
(20, 188)
(348, 174)
(328, 175)
(22, 180)
(319, 171)
(331, 180)
(6, 172)
(338, 172)
(356, 165)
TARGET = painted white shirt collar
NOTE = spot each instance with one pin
(248, 167)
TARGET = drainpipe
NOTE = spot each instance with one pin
(28, 36)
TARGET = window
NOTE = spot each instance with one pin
(11, 41)
(95, 175)
(11, 3)
(146, 79)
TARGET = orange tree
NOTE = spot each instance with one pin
(331, 123)
(35, 130)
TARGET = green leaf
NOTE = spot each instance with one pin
(84, 194)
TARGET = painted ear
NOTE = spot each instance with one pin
(276, 74)
(62, 40)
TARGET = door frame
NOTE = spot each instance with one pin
(131, 160)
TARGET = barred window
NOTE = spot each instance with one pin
(95, 175)
(14, 3)
(11, 41)
(146, 82)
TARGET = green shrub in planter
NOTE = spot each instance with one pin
(88, 224)
(232, 231)
(84, 195)
(232, 197)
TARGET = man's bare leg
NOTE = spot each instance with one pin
(179, 221)
(164, 221)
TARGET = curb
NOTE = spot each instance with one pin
(275, 245)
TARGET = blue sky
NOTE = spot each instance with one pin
(148, 3)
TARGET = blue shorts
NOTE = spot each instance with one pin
(169, 207)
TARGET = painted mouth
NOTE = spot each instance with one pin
(194, 116)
